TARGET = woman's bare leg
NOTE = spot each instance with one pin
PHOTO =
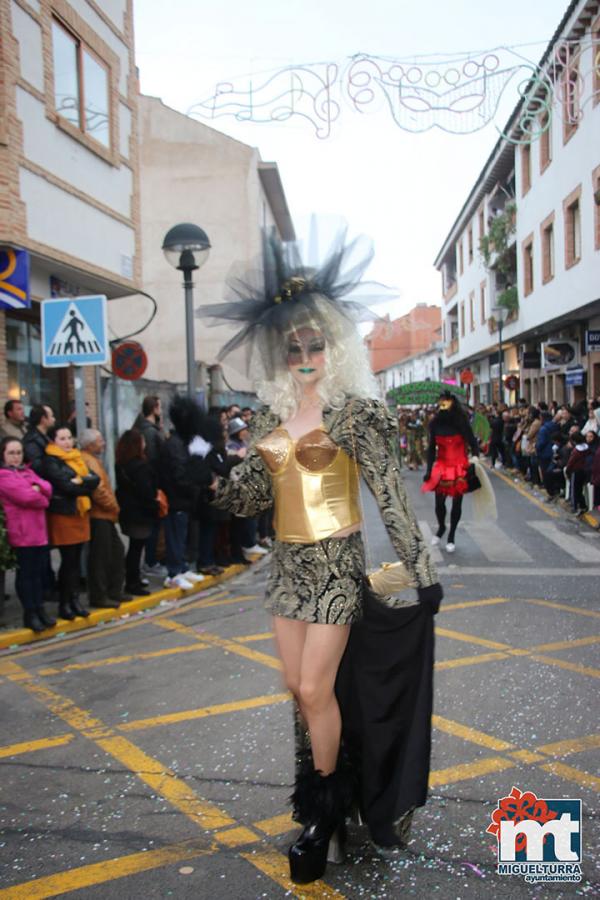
(311, 655)
(290, 635)
(324, 647)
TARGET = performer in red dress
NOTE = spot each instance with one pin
(450, 437)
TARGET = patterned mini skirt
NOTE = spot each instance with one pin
(320, 582)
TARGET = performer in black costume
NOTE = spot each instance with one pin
(450, 439)
(318, 430)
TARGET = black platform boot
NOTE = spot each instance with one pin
(318, 803)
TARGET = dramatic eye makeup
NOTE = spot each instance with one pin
(296, 349)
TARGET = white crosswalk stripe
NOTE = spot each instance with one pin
(436, 553)
(495, 544)
(573, 546)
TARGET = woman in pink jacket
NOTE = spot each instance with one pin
(25, 497)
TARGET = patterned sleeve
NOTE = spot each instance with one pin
(368, 433)
(248, 490)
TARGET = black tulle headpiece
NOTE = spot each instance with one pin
(286, 294)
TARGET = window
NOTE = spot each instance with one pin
(482, 302)
(27, 380)
(572, 220)
(481, 223)
(547, 235)
(461, 260)
(525, 168)
(596, 202)
(528, 265)
(462, 319)
(80, 85)
(596, 57)
(571, 93)
(545, 142)
(470, 244)
(472, 310)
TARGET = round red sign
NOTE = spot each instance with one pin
(129, 360)
(511, 383)
(466, 376)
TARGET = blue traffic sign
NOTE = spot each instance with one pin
(74, 332)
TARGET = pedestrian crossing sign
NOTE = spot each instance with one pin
(74, 331)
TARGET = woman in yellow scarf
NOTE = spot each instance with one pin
(68, 513)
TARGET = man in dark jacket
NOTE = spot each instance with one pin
(497, 439)
(150, 425)
(41, 419)
(182, 480)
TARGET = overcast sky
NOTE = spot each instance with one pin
(404, 190)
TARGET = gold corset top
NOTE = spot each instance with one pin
(315, 485)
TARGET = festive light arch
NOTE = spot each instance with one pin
(459, 95)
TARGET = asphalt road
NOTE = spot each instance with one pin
(153, 758)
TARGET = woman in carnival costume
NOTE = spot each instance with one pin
(360, 671)
(450, 439)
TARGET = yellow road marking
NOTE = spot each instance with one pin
(31, 746)
(471, 639)
(571, 745)
(266, 659)
(527, 756)
(107, 870)
(469, 734)
(570, 773)
(210, 601)
(248, 638)
(553, 513)
(566, 645)
(147, 769)
(187, 715)
(469, 660)
(277, 824)
(567, 607)
(275, 865)
(467, 604)
(162, 780)
(565, 664)
(236, 837)
(118, 660)
(465, 771)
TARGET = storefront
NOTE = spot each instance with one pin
(27, 381)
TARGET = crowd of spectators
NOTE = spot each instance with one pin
(553, 446)
(154, 522)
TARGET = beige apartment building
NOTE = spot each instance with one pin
(190, 172)
(69, 192)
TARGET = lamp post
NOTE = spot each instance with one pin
(186, 247)
(500, 314)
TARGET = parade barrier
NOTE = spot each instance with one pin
(13, 638)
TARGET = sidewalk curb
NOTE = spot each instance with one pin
(519, 484)
(10, 640)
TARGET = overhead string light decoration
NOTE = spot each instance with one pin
(459, 95)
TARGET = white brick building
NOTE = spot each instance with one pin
(553, 255)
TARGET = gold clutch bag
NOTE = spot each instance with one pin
(389, 579)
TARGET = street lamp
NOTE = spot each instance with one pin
(186, 247)
(501, 315)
